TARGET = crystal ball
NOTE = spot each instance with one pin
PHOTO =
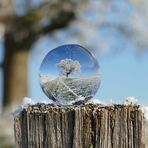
(69, 74)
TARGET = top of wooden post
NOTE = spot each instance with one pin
(86, 125)
(45, 108)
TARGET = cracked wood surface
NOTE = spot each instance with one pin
(83, 126)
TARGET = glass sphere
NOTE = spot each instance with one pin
(69, 74)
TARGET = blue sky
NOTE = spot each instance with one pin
(123, 73)
(1, 50)
(123, 69)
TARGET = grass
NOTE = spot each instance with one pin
(4, 143)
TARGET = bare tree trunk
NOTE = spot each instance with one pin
(85, 126)
(15, 74)
(67, 75)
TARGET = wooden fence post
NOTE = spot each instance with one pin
(84, 126)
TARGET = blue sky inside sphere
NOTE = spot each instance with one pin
(89, 65)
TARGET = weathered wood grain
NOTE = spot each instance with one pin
(84, 126)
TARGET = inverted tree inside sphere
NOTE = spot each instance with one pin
(69, 74)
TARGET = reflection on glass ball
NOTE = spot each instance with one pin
(69, 74)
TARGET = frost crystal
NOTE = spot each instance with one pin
(130, 101)
(144, 109)
(95, 101)
(25, 103)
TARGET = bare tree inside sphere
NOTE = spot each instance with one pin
(69, 66)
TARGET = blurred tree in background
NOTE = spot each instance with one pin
(21, 29)
(104, 25)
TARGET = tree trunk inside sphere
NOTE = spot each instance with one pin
(67, 75)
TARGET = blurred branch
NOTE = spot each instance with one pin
(25, 35)
(7, 11)
(21, 31)
(61, 21)
(25, 30)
